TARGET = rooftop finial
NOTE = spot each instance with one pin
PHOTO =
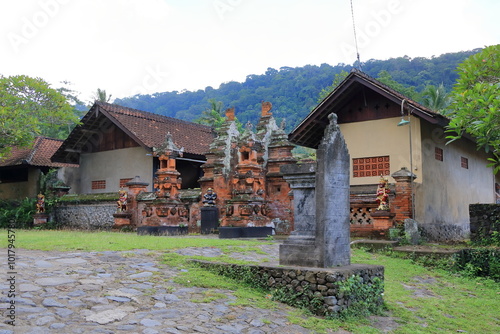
(266, 108)
(230, 114)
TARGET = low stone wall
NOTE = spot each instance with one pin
(97, 216)
(484, 219)
(95, 211)
(444, 232)
(328, 291)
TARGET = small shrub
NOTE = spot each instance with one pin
(490, 239)
(362, 299)
(479, 262)
(17, 214)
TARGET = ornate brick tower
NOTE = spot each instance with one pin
(166, 209)
(243, 169)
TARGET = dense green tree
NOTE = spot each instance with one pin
(30, 107)
(339, 77)
(476, 101)
(386, 78)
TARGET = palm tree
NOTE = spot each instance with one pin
(101, 95)
(212, 116)
(436, 98)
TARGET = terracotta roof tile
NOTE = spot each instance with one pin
(38, 155)
(151, 129)
(310, 130)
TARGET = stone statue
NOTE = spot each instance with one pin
(382, 195)
(283, 124)
(209, 197)
(40, 203)
(249, 126)
(122, 201)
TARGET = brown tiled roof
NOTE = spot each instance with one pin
(151, 129)
(38, 155)
(146, 129)
(310, 131)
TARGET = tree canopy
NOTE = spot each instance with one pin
(294, 91)
(30, 107)
(476, 101)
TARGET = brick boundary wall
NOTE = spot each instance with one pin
(322, 283)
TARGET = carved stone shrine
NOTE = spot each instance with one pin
(166, 209)
(243, 169)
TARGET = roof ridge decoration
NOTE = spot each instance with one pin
(168, 147)
(38, 142)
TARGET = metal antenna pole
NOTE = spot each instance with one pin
(355, 37)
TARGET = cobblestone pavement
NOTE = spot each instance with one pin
(114, 292)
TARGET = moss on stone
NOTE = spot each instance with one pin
(89, 198)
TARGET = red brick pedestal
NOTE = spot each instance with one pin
(122, 219)
(40, 218)
(382, 221)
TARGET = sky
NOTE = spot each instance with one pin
(129, 47)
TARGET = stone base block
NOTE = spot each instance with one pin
(256, 232)
(209, 219)
(40, 218)
(121, 219)
(226, 232)
(162, 230)
(382, 220)
(303, 255)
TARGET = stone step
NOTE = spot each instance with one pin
(427, 251)
(374, 244)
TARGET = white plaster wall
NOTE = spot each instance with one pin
(442, 190)
(113, 166)
(71, 177)
(448, 188)
(380, 138)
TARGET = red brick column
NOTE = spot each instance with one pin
(135, 187)
(403, 201)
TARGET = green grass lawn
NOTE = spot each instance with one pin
(422, 300)
(113, 241)
(435, 301)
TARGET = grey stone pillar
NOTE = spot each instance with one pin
(299, 249)
(332, 198)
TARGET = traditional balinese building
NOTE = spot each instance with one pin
(21, 169)
(243, 169)
(437, 181)
(113, 144)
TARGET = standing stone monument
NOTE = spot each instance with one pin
(330, 227)
(300, 249)
(411, 231)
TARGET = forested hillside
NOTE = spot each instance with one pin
(295, 91)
